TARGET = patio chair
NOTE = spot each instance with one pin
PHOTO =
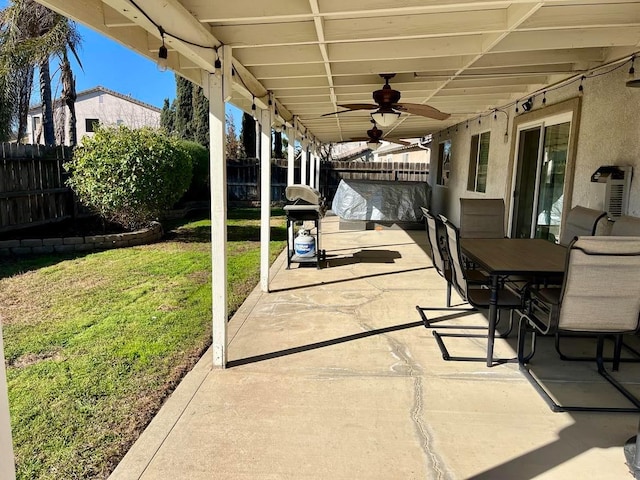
(626, 226)
(438, 250)
(473, 293)
(580, 306)
(580, 221)
(481, 218)
(440, 259)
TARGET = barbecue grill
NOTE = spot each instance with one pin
(308, 206)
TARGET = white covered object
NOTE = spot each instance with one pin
(380, 200)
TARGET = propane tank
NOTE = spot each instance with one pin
(304, 244)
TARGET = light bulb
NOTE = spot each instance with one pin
(162, 57)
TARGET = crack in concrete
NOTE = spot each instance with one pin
(399, 351)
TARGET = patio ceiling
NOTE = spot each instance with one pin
(461, 57)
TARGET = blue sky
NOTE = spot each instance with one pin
(109, 64)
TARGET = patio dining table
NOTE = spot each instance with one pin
(533, 258)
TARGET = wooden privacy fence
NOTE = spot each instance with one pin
(332, 172)
(32, 188)
(243, 180)
(243, 176)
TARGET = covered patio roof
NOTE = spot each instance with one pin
(465, 58)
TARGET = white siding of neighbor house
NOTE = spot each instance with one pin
(109, 109)
(608, 135)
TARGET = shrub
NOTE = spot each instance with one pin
(129, 176)
(200, 186)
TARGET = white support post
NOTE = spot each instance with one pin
(218, 180)
(317, 185)
(291, 154)
(304, 157)
(291, 164)
(258, 132)
(265, 197)
(7, 462)
(312, 167)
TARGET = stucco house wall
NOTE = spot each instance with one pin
(395, 154)
(607, 135)
(107, 106)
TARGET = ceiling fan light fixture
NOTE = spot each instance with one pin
(373, 144)
(385, 117)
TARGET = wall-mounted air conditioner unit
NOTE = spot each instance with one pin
(618, 184)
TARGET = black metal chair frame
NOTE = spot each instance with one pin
(616, 359)
(444, 255)
(467, 295)
(530, 323)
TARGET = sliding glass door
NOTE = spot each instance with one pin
(539, 180)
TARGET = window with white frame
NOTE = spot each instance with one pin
(478, 163)
(444, 163)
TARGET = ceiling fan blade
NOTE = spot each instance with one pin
(352, 107)
(366, 139)
(398, 141)
(422, 110)
(358, 139)
(334, 113)
(360, 106)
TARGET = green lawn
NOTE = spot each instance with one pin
(95, 343)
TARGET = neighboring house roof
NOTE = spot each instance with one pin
(351, 155)
(100, 89)
(395, 148)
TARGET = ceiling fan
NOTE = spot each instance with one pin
(374, 137)
(387, 107)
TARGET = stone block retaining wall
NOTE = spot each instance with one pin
(81, 244)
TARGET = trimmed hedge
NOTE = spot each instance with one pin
(130, 176)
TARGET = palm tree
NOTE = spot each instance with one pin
(69, 96)
(30, 35)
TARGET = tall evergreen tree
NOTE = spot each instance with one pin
(248, 136)
(277, 145)
(233, 146)
(184, 108)
(200, 121)
(168, 116)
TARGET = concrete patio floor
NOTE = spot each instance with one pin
(333, 376)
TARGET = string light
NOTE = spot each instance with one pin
(580, 87)
(253, 107)
(162, 52)
(544, 98)
(517, 106)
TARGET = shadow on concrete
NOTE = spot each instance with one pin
(587, 432)
(333, 341)
(351, 279)
(364, 256)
